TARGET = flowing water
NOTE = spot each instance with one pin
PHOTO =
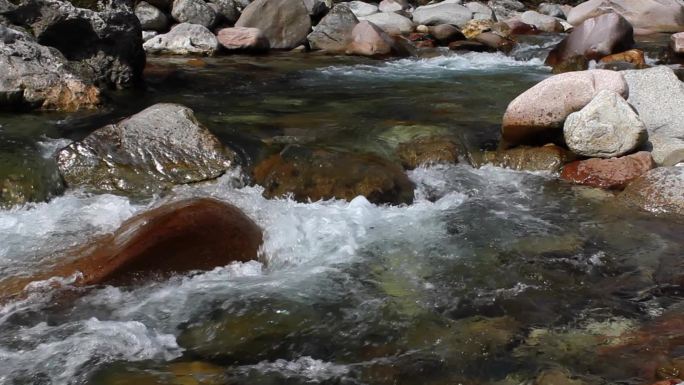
(489, 277)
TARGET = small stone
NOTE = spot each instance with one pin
(427, 151)
(184, 39)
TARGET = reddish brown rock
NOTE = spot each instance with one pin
(517, 27)
(632, 56)
(243, 39)
(369, 40)
(495, 41)
(613, 173)
(182, 236)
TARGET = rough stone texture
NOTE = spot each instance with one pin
(646, 16)
(542, 22)
(633, 56)
(285, 23)
(545, 158)
(227, 10)
(658, 96)
(102, 47)
(480, 11)
(504, 9)
(321, 174)
(476, 27)
(157, 148)
(551, 9)
(517, 27)
(613, 173)
(426, 151)
(177, 237)
(370, 40)
(184, 39)
(392, 23)
(334, 32)
(194, 12)
(537, 115)
(35, 76)
(660, 190)
(243, 39)
(361, 8)
(677, 43)
(607, 127)
(594, 38)
(442, 13)
(151, 18)
(317, 8)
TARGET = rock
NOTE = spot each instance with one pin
(184, 39)
(316, 8)
(542, 22)
(442, 13)
(393, 5)
(594, 38)
(334, 32)
(285, 23)
(147, 35)
(227, 10)
(445, 33)
(194, 12)
(476, 27)
(556, 377)
(26, 177)
(361, 8)
(470, 46)
(177, 373)
(613, 173)
(573, 63)
(369, 40)
(391, 23)
(177, 237)
(161, 146)
(658, 96)
(427, 151)
(537, 115)
(104, 48)
(660, 190)
(322, 174)
(505, 9)
(551, 9)
(480, 11)
(677, 43)
(633, 56)
(495, 41)
(605, 128)
(646, 16)
(151, 18)
(546, 158)
(517, 27)
(35, 76)
(243, 39)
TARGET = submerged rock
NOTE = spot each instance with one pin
(35, 76)
(426, 151)
(243, 39)
(161, 146)
(334, 32)
(27, 178)
(613, 173)
(646, 16)
(446, 12)
(605, 128)
(173, 373)
(322, 174)
(595, 38)
(660, 191)
(184, 39)
(285, 23)
(546, 158)
(537, 115)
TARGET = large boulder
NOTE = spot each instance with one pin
(102, 47)
(361, 8)
(661, 190)
(334, 32)
(480, 11)
(243, 39)
(184, 39)
(151, 18)
(613, 173)
(446, 12)
(194, 12)
(658, 96)
(161, 146)
(605, 128)
(537, 115)
(390, 22)
(542, 22)
(228, 10)
(369, 40)
(285, 23)
(646, 16)
(545, 158)
(321, 174)
(35, 76)
(595, 38)
(177, 237)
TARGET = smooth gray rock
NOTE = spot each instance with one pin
(505, 9)
(361, 8)
(551, 9)
(658, 97)
(285, 23)
(147, 35)
(184, 39)
(542, 22)
(227, 10)
(161, 146)
(394, 5)
(194, 12)
(151, 18)
(334, 31)
(392, 23)
(442, 13)
(607, 127)
(480, 11)
(660, 191)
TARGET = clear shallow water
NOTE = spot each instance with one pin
(457, 287)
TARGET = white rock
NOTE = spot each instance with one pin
(391, 23)
(361, 9)
(443, 13)
(184, 39)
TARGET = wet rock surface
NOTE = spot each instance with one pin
(545, 158)
(660, 191)
(613, 173)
